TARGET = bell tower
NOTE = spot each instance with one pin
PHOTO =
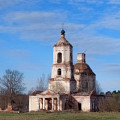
(62, 78)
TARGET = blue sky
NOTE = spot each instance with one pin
(30, 28)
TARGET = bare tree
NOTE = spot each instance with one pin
(3, 99)
(21, 103)
(42, 83)
(31, 90)
(12, 84)
(98, 88)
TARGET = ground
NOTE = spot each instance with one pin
(59, 116)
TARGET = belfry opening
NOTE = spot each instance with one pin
(59, 57)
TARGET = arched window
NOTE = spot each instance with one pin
(59, 71)
(59, 57)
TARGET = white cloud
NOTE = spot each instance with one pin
(111, 21)
(23, 22)
(33, 17)
(46, 26)
(87, 37)
(57, 1)
(96, 45)
(112, 68)
(6, 3)
(19, 54)
(95, 1)
(75, 2)
(34, 24)
(114, 2)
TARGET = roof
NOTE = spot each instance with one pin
(47, 92)
(92, 92)
(83, 68)
(34, 93)
(62, 42)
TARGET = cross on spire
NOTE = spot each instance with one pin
(62, 26)
(62, 31)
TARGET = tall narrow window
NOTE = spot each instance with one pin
(59, 71)
(59, 58)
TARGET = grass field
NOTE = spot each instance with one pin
(59, 116)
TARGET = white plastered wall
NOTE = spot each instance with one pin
(66, 70)
(33, 103)
(85, 102)
(65, 50)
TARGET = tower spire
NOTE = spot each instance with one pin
(62, 31)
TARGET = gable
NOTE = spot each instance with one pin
(47, 92)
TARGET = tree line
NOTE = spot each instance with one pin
(110, 103)
(12, 93)
(12, 90)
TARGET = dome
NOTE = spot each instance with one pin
(84, 68)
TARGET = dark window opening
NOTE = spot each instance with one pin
(59, 57)
(49, 104)
(59, 71)
(79, 106)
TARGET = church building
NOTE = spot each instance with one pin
(71, 86)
